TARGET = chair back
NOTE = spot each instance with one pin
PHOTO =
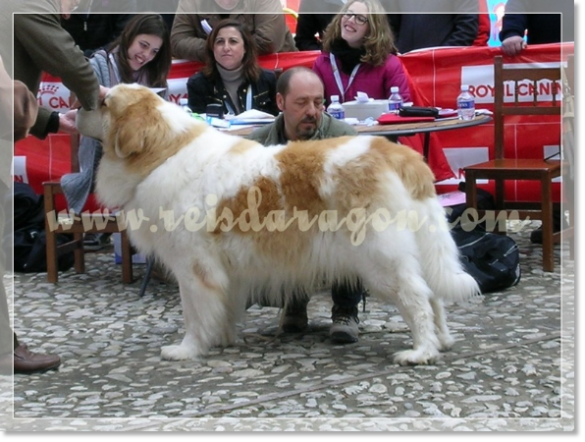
(513, 80)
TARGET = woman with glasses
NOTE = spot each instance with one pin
(359, 54)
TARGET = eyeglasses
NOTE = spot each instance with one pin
(360, 19)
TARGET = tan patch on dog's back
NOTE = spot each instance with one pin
(242, 146)
(415, 174)
(229, 210)
(302, 173)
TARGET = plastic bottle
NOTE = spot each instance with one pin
(465, 104)
(335, 109)
(395, 100)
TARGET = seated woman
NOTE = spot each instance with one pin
(359, 54)
(232, 76)
(141, 54)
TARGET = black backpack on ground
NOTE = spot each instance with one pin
(30, 242)
(492, 260)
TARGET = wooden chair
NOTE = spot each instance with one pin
(77, 227)
(502, 168)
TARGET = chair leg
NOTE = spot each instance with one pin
(52, 257)
(127, 277)
(79, 254)
(547, 225)
(147, 275)
(471, 194)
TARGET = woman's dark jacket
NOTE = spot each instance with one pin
(203, 90)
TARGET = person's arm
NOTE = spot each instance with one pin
(188, 38)
(464, 30)
(25, 106)
(514, 24)
(269, 32)
(54, 51)
(512, 33)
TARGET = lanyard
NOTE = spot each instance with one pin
(248, 102)
(114, 70)
(338, 77)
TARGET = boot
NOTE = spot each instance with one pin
(27, 362)
(344, 329)
(294, 319)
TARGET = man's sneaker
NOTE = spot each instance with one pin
(95, 241)
(344, 329)
(294, 318)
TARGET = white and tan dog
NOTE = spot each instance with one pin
(231, 218)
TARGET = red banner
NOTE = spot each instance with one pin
(437, 73)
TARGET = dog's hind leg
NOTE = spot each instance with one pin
(207, 315)
(445, 338)
(400, 281)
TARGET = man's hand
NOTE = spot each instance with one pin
(513, 45)
(67, 122)
(102, 94)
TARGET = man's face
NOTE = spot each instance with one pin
(302, 107)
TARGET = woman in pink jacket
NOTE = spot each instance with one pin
(359, 54)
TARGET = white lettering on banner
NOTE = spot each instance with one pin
(177, 89)
(57, 97)
(481, 83)
(19, 169)
(54, 96)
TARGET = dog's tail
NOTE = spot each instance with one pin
(439, 255)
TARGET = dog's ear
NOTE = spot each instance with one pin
(131, 134)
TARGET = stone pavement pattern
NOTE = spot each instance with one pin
(510, 369)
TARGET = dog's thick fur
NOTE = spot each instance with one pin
(190, 183)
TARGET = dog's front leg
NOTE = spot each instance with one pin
(207, 315)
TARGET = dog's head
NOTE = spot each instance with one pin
(138, 127)
(132, 121)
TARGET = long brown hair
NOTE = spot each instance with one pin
(157, 70)
(378, 41)
(250, 64)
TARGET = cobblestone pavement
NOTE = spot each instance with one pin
(511, 368)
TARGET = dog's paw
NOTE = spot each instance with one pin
(178, 352)
(424, 356)
(446, 342)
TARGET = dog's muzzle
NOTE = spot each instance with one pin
(89, 123)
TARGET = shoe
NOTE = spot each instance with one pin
(558, 224)
(27, 362)
(95, 241)
(294, 319)
(344, 329)
(536, 236)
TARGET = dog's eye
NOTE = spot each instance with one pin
(104, 104)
